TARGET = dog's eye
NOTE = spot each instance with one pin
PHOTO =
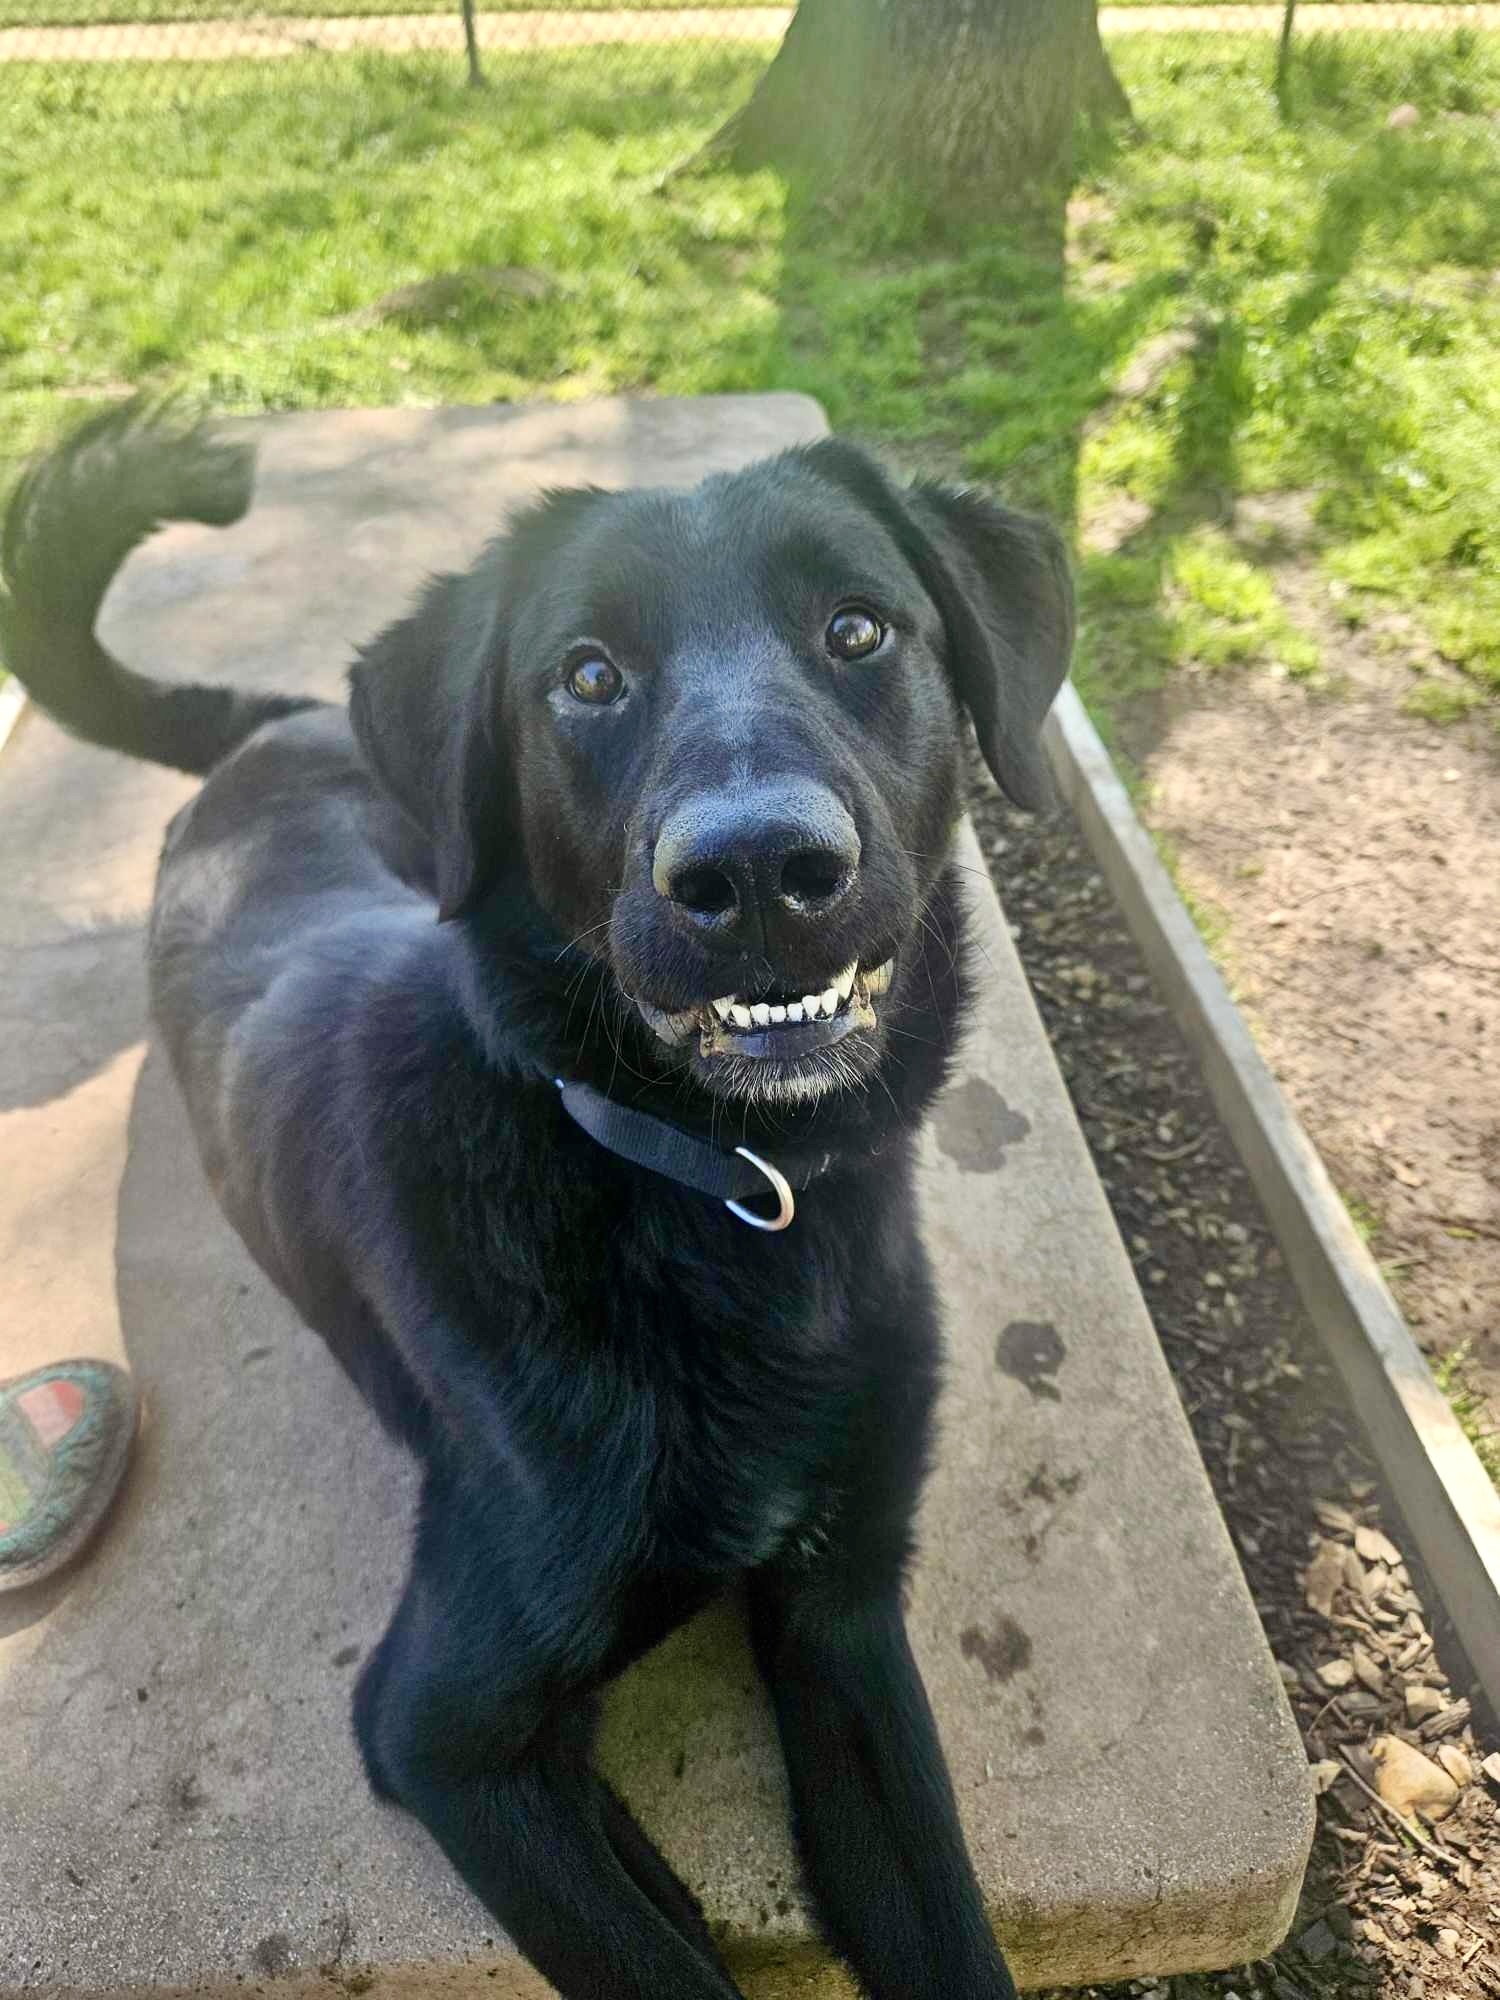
(596, 680)
(854, 633)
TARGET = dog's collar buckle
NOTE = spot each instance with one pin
(781, 1187)
(733, 1178)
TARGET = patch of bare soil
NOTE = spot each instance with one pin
(1354, 854)
(1402, 1899)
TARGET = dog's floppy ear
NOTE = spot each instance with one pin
(1001, 583)
(424, 700)
(421, 702)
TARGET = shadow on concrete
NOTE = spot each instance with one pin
(49, 1044)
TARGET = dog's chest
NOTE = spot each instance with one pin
(749, 1434)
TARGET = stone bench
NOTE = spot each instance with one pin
(181, 1809)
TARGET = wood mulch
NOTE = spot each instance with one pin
(1393, 1906)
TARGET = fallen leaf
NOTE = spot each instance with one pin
(1491, 1768)
(1456, 1763)
(1376, 1547)
(1366, 1671)
(1376, 1578)
(1336, 1674)
(1322, 1578)
(1324, 1773)
(1410, 1782)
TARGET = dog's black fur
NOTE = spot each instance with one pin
(621, 1397)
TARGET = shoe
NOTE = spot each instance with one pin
(65, 1438)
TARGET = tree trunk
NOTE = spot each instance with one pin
(958, 106)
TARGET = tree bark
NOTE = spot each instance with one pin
(957, 105)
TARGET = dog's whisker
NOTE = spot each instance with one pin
(573, 943)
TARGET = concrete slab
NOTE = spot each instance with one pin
(181, 1809)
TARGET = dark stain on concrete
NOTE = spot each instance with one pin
(274, 1954)
(974, 1125)
(1004, 1651)
(1032, 1351)
(185, 1796)
(1049, 1488)
(346, 1656)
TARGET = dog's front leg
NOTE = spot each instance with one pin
(875, 1817)
(571, 1876)
(486, 1736)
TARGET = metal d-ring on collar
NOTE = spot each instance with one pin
(782, 1188)
(683, 1157)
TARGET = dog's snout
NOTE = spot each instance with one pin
(772, 856)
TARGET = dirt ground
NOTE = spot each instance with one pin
(1347, 858)
(1390, 1910)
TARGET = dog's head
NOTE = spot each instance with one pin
(718, 733)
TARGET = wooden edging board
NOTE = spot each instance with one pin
(1450, 1504)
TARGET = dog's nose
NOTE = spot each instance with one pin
(776, 856)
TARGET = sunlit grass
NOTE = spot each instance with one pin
(1319, 292)
(237, 239)
(1471, 1410)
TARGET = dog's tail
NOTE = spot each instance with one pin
(74, 518)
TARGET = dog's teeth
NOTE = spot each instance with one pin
(722, 1008)
(879, 980)
(831, 1002)
(740, 1015)
(778, 1015)
(844, 984)
(794, 1012)
(762, 1014)
(812, 1005)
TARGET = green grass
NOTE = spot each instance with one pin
(1227, 611)
(1329, 284)
(221, 237)
(1440, 701)
(1469, 1407)
(1341, 282)
(1364, 1218)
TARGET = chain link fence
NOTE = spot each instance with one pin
(480, 35)
(162, 40)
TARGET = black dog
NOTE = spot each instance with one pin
(654, 803)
